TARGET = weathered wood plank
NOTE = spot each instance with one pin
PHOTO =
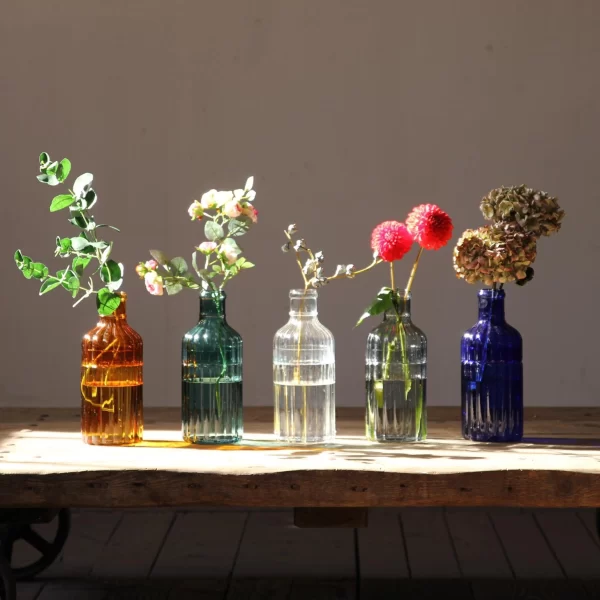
(201, 545)
(428, 544)
(90, 531)
(260, 589)
(478, 549)
(273, 548)
(75, 591)
(576, 551)
(331, 517)
(527, 551)
(381, 547)
(44, 463)
(528, 590)
(323, 590)
(134, 545)
(29, 590)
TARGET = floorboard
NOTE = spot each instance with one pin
(574, 548)
(428, 544)
(525, 546)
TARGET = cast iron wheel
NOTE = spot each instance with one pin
(49, 549)
(8, 588)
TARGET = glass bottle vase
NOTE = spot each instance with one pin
(396, 378)
(112, 381)
(304, 375)
(211, 409)
(492, 375)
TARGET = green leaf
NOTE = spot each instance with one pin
(232, 245)
(110, 271)
(213, 231)
(18, 257)
(247, 265)
(159, 257)
(39, 270)
(64, 168)
(79, 221)
(69, 281)
(48, 285)
(217, 268)
(383, 302)
(79, 264)
(111, 226)
(173, 288)
(51, 168)
(107, 302)
(89, 199)
(80, 243)
(64, 245)
(179, 266)
(44, 159)
(240, 226)
(62, 201)
(82, 185)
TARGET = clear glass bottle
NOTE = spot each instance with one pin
(304, 375)
(211, 409)
(492, 375)
(396, 378)
(112, 381)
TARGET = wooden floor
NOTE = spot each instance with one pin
(233, 554)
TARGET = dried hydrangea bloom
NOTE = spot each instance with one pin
(532, 211)
(494, 255)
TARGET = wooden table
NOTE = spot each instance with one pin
(43, 463)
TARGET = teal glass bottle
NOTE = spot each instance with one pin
(211, 408)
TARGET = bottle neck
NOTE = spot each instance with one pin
(120, 314)
(303, 304)
(402, 308)
(212, 304)
(491, 306)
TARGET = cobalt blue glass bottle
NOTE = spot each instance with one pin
(211, 408)
(492, 375)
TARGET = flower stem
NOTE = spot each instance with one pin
(413, 272)
(393, 283)
(289, 237)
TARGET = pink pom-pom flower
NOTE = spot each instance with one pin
(429, 226)
(391, 240)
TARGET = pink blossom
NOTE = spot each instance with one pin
(209, 199)
(230, 255)
(195, 210)
(151, 265)
(141, 270)
(251, 212)
(207, 247)
(232, 209)
(154, 283)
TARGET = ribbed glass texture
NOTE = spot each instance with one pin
(304, 375)
(492, 375)
(396, 378)
(211, 409)
(112, 381)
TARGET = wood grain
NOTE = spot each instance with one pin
(44, 463)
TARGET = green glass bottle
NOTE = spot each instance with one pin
(212, 376)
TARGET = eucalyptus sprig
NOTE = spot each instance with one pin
(312, 271)
(82, 249)
(232, 215)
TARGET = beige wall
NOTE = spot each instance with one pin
(348, 113)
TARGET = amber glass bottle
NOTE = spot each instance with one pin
(111, 381)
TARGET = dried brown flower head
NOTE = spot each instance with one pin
(494, 254)
(531, 211)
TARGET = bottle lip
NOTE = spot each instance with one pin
(301, 293)
(490, 293)
(207, 294)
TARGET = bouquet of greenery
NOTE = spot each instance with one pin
(80, 250)
(228, 215)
